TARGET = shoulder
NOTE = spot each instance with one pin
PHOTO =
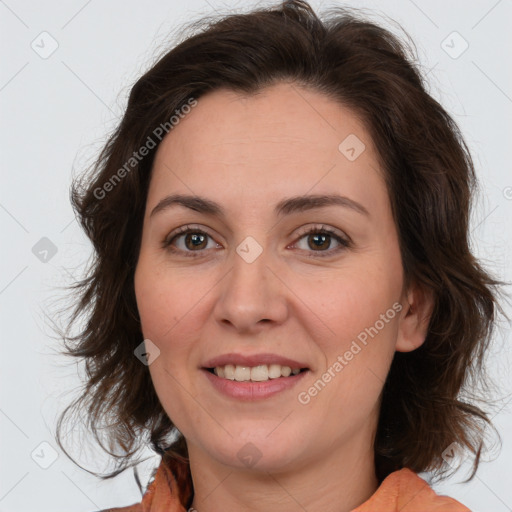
(404, 490)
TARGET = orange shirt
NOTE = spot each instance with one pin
(401, 490)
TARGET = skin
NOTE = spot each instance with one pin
(247, 153)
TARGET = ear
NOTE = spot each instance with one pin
(415, 317)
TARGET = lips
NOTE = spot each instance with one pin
(253, 360)
(250, 391)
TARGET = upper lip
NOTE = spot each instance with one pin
(252, 360)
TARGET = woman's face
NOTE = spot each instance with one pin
(266, 271)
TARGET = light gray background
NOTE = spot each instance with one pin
(56, 112)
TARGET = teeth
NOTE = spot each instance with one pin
(255, 373)
(259, 373)
(242, 373)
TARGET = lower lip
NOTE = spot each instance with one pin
(250, 390)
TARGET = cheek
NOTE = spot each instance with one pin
(168, 306)
(354, 298)
(166, 298)
(358, 346)
(359, 306)
(174, 304)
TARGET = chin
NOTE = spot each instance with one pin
(258, 452)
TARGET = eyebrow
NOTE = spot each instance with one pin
(285, 207)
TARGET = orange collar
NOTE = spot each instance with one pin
(401, 490)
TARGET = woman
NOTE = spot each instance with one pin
(282, 217)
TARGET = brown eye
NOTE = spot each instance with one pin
(189, 241)
(195, 241)
(320, 241)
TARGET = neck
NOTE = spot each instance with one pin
(337, 481)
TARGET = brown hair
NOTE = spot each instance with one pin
(430, 179)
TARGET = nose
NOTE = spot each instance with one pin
(251, 295)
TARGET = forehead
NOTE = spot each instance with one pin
(283, 140)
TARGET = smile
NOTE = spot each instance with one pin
(258, 373)
(247, 389)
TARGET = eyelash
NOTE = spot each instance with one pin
(344, 242)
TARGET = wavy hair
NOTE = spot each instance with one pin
(428, 400)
